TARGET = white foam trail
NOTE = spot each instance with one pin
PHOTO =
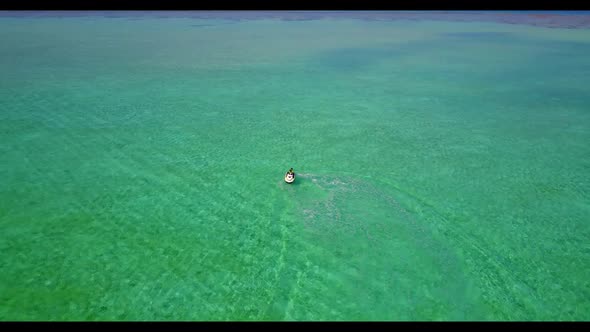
(329, 214)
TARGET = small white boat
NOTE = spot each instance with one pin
(289, 178)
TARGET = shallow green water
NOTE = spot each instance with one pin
(442, 170)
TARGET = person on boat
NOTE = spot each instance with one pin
(290, 172)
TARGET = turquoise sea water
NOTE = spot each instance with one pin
(443, 170)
